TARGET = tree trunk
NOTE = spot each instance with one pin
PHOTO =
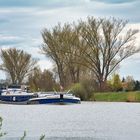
(102, 84)
(61, 76)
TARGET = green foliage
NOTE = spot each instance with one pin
(84, 89)
(23, 137)
(42, 137)
(89, 86)
(78, 90)
(116, 83)
(1, 133)
(110, 96)
(117, 96)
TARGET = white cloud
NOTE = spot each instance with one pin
(46, 64)
(9, 38)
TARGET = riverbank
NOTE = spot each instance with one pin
(117, 96)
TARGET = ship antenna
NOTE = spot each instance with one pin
(55, 91)
(68, 91)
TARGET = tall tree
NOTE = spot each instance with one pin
(130, 83)
(53, 44)
(116, 83)
(107, 45)
(43, 81)
(60, 45)
(17, 63)
(137, 85)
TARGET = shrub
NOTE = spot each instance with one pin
(131, 97)
(84, 89)
(89, 86)
(78, 90)
(1, 133)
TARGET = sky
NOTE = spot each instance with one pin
(21, 23)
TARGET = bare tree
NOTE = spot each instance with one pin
(107, 45)
(17, 63)
(43, 81)
(52, 45)
(60, 44)
(98, 44)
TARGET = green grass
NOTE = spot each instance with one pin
(117, 96)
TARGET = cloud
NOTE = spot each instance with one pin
(116, 1)
(54, 3)
(9, 40)
(131, 67)
(21, 21)
(45, 64)
(40, 3)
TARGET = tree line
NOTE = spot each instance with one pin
(89, 50)
(128, 83)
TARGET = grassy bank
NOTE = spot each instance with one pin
(117, 96)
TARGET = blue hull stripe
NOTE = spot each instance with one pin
(25, 98)
(15, 98)
(55, 101)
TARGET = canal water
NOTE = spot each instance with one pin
(85, 121)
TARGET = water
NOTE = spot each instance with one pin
(86, 121)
